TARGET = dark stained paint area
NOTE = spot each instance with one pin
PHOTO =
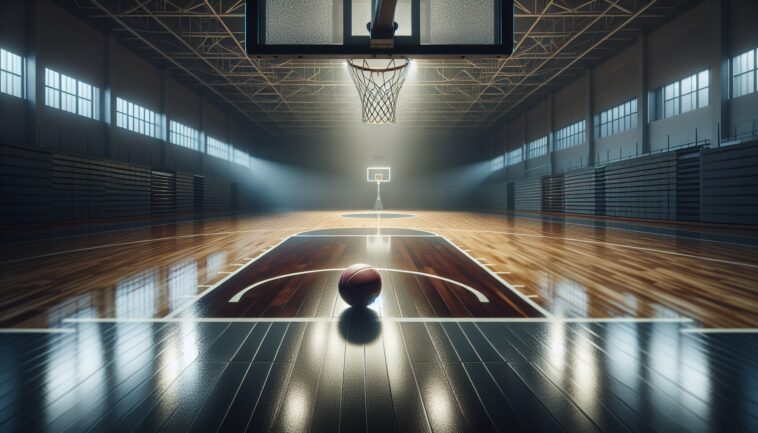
(403, 294)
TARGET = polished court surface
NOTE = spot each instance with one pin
(485, 323)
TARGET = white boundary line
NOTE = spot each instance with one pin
(410, 215)
(36, 330)
(668, 252)
(211, 288)
(719, 331)
(137, 242)
(553, 320)
(494, 275)
(238, 296)
(592, 226)
(363, 236)
(502, 281)
(607, 244)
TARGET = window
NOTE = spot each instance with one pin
(11, 75)
(241, 158)
(68, 94)
(744, 73)
(681, 96)
(570, 136)
(514, 156)
(616, 119)
(497, 163)
(136, 118)
(184, 136)
(536, 148)
(219, 149)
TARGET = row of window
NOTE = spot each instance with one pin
(536, 148)
(68, 94)
(744, 73)
(11, 74)
(513, 157)
(681, 96)
(74, 96)
(570, 136)
(616, 119)
(183, 135)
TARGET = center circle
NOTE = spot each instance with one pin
(378, 215)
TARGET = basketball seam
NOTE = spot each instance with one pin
(350, 278)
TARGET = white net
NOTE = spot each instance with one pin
(378, 83)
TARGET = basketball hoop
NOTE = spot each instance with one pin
(378, 82)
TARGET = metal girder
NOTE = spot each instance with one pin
(203, 41)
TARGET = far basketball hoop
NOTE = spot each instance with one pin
(379, 175)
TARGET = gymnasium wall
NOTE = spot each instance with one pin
(59, 166)
(697, 184)
(642, 172)
(328, 172)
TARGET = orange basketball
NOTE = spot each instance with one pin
(360, 285)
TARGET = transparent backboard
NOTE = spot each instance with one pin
(341, 28)
(378, 174)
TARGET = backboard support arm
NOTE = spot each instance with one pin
(383, 24)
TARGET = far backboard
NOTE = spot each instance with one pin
(379, 28)
(378, 174)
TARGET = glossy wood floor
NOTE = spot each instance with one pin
(526, 324)
(358, 375)
(423, 275)
(570, 267)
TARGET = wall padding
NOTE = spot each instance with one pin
(580, 191)
(729, 182)
(527, 194)
(642, 188)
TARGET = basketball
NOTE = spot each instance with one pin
(359, 285)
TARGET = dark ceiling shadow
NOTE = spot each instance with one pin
(360, 325)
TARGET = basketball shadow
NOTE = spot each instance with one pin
(360, 325)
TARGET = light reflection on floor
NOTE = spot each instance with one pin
(640, 363)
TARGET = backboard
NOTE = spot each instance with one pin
(378, 174)
(379, 28)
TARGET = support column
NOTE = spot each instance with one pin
(232, 165)
(643, 125)
(164, 120)
(550, 134)
(505, 151)
(719, 81)
(34, 105)
(523, 145)
(203, 137)
(590, 116)
(109, 122)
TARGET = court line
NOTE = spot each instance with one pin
(238, 296)
(211, 288)
(239, 269)
(719, 331)
(362, 236)
(594, 226)
(551, 320)
(656, 250)
(610, 244)
(36, 330)
(412, 215)
(502, 281)
(142, 241)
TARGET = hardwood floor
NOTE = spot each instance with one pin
(571, 267)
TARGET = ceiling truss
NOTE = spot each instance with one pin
(203, 42)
